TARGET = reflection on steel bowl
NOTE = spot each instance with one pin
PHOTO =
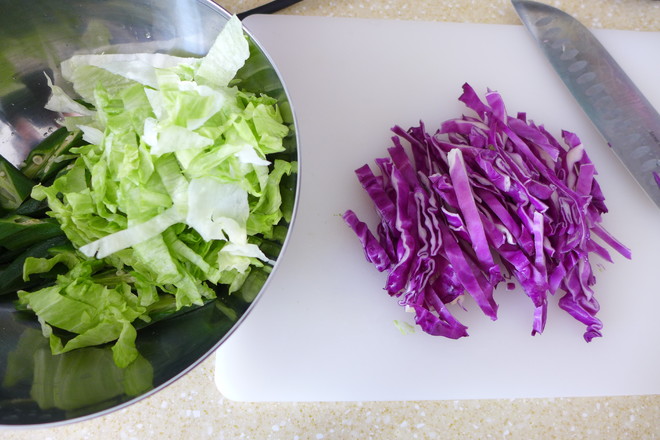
(37, 387)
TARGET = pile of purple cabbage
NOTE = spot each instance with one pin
(487, 199)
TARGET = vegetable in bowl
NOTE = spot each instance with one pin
(486, 199)
(171, 193)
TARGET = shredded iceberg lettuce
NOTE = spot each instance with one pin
(171, 189)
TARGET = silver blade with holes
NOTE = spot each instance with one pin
(624, 117)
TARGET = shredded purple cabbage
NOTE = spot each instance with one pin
(487, 199)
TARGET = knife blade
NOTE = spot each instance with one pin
(617, 108)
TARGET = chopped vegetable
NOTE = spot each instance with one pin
(485, 199)
(51, 155)
(169, 187)
(15, 187)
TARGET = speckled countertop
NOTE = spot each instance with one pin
(193, 408)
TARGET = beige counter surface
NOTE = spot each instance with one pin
(193, 408)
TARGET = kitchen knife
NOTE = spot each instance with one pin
(620, 112)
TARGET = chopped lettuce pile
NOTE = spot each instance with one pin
(486, 199)
(170, 194)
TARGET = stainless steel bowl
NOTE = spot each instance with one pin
(37, 388)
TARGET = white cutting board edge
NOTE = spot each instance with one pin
(323, 330)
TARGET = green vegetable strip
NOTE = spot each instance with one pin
(32, 208)
(14, 186)
(12, 274)
(51, 155)
(18, 231)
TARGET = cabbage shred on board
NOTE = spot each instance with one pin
(486, 199)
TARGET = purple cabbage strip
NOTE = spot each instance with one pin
(468, 209)
(373, 250)
(486, 199)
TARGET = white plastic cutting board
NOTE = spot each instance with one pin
(323, 330)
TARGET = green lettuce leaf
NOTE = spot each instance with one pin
(95, 313)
